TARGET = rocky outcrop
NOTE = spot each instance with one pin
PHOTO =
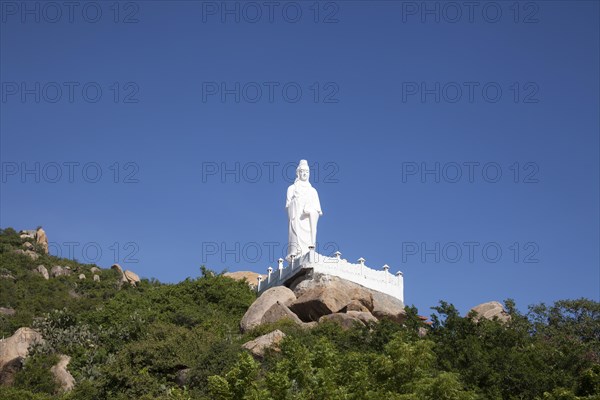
(13, 350)
(42, 240)
(261, 305)
(259, 346)
(361, 299)
(490, 310)
(363, 316)
(42, 271)
(128, 277)
(249, 276)
(27, 246)
(61, 374)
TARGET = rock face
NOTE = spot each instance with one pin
(385, 306)
(42, 271)
(491, 310)
(259, 345)
(62, 376)
(251, 277)
(13, 350)
(261, 305)
(42, 240)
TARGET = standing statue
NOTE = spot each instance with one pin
(304, 209)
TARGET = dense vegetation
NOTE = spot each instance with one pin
(134, 342)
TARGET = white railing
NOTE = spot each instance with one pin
(380, 280)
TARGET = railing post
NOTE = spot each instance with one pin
(270, 271)
(259, 282)
(280, 267)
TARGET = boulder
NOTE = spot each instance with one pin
(182, 377)
(355, 305)
(42, 271)
(259, 345)
(9, 371)
(61, 374)
(319, 301)
(57, 271)
(491, 310)
(7, 311)
(16, 347)
(27, 246)
(381, 305)
(127, 276)
(363, 316)
(345, 321)
(28, 234)
(96, 278)
(5, 274)
(249, 276)
(42, 240)
(81, 277)
(95, 270)
(131, 277)
(279, 311)
(262, 304)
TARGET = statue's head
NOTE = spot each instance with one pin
(303, 171)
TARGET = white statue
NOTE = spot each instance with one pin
(304, 209)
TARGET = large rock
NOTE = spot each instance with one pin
(385, 306)
(9, 371)
(361, 298)
(28, 246)
(344, 320)
(42, 240)
(131, 277)
(259, 345)
(319, 301)
(94, 270)
(491, 310)
(57, 271)
(249, 276)
(96, 278)
(278, 312)
(365, 317)
(13, 350)
(127, 276)
(42, 271)
(61, 374)
(261, 305)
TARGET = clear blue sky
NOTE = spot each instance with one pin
(379, 103)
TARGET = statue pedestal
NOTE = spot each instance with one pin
(380, 280)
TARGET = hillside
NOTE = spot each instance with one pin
(151, 340)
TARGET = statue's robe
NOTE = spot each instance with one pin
(302, 199)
